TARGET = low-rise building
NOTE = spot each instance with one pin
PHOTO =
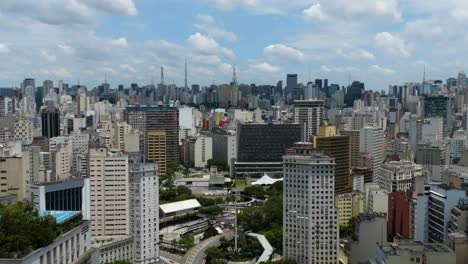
(408, 252)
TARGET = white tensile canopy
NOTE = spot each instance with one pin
(266, 180)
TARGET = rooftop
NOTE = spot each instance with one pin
(60, 216)
(179, 206)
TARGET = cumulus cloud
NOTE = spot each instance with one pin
(392, 44)
(264, 67)
(314, 12)
(355, 54)
(67, 12)
(115, 7)
(327, 69)
(282, 53)
(207, 23)
(207, 45)
(379, 8)
(4, 48)
(381, 70)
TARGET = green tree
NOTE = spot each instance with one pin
(119, 262)
(23, 230)
(211, 210)
(251, 218)
(214, 255)
(220, 164)
(210, 232)
(255, 191)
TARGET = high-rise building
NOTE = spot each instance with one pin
(310, 224)
(109, 176)
(291, 83)
(400, 217)
(434, 157)
(442, 106)
(354, 143)
(156, 118)
(398, 176)
(144, 209)
(371, 141)
(48, 87)
(50, 120)
(432, 213)
(309, 113)
(24, 131)
(354, 92)
(337, 147)
(156, 149)
(260, 147)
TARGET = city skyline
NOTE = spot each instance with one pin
(376, 42)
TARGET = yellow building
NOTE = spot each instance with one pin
(337, 147)
(327, 131)
(156, 149)
(349, 205)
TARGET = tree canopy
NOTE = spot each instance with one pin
(22, 230)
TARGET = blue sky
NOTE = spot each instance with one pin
(379, 42)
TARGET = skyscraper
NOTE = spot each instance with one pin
(337, 147)
(156, 118)
(371, 141)
(50, 120)
(156, 149)
(109, 176)
(309, 113)
(48, 87)
(310, 224)
(354, 92)
(291, 83)
(144, 208)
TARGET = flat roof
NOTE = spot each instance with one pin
(179, 206)
(60, 216)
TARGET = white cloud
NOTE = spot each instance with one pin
(381, 70)
(325, 68)
(48, 57)
(127, 67)
(207, 19)
(120, 42)
(264, 67)
(67, 12)
(207, 46)
(460, 15)
(392, 44)
(314, 12)
(282, 53)
(57, 73)
(66, 49)
(369, 8)
(115, 7)
(4, 48)
(208, 25)
(355, 54)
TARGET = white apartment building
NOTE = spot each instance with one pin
(371, 141)
(144, 211)
(397, 176)
(121, 129)
(109, 176)
(310, 221)
(457, 144)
